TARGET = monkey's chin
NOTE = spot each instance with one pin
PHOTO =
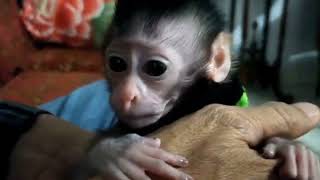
(137, 123)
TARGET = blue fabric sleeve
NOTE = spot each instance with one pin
(88, 107)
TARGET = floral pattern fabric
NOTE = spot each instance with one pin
(34, 74)
(66, 21)
(20, 53)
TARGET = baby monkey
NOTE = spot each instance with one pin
(166, 59)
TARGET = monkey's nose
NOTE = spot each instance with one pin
(127, 101)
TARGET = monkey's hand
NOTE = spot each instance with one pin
(131, 157)
(298, 162)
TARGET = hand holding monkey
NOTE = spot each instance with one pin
(54, 145)
(129, 156)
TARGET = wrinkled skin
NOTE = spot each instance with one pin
(221, 142)
(216, 140)
(48, 150)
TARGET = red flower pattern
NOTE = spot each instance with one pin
(62, 21)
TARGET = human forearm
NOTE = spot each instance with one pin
(15, 120)
(53, 146)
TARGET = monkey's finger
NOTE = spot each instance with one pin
(160, 168)
(132, 171)
(317, 176)
(114, 173)
(274, 145)
(303, 160)
(279, 141)
(313, 166)
(289, 167)
(153, 142)
(172, 159)
(269, 151)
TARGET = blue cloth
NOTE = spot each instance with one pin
(88, 107)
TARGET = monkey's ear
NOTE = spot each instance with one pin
(219, 64)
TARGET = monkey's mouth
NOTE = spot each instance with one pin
(140, 121)
(142, 116)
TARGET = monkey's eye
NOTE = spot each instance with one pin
(117, 64)
(155, 68)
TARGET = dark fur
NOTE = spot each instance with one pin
(202, 92)
(206, 11)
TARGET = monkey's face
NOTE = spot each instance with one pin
(147, 73)
(144, 80)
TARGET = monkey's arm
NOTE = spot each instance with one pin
(117, 154)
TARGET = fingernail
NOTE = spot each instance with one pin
(188, 177)
(269, 151)
(268, 154)
(183, 162)
(157, 140)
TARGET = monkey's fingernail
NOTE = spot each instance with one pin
(188, 177)
(267, 154)
(269, 151)
(183, 162)
(158, 140)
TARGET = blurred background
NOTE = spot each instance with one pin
(277, 43)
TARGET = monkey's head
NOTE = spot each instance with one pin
(156, 49)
